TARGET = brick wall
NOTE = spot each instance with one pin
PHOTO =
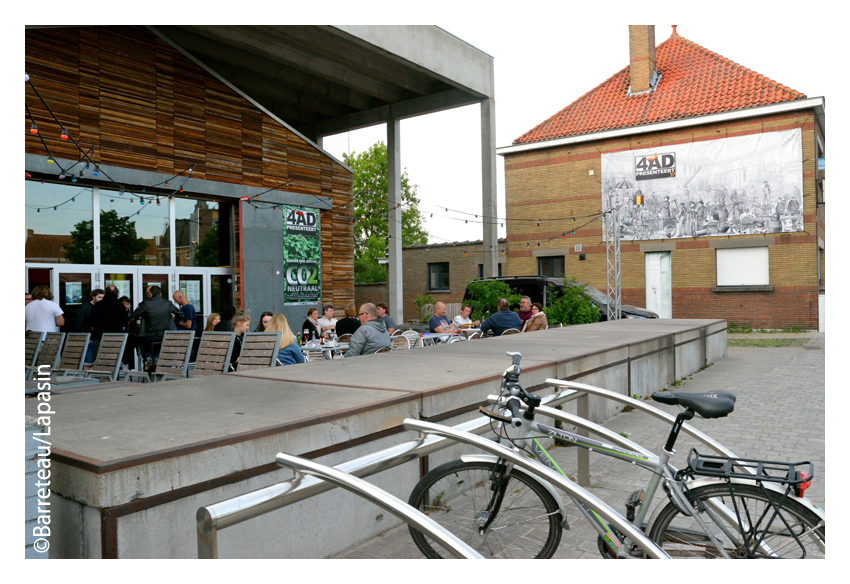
(555, 185)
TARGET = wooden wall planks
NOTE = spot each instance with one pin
(145, 106)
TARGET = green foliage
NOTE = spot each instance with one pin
(366, 267)
(424, 303)
(570, 304)
(484, 297)
(299, 247)
(734, 327)
(119, 243)
(371, 209)
(207, 254)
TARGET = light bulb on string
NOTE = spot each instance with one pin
(64, 134)
(96, 171)
(73, 179)
(38, 210)
(141, 201)
(158, 202)
(54, 208)
(34, 128)
(61, 176)
(50, 160)
(166, 183)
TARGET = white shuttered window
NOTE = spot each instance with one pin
(748, 266)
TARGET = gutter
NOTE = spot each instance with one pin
(816, 103)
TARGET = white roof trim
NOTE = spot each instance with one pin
(813, 102)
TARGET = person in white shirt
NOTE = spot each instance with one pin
(42, 314)
(462, 320)
(327, 323)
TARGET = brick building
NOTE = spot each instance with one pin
(713, 170)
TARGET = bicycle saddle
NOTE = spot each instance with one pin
(714, 404)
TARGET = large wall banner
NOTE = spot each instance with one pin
(731, 186)
(302, 255)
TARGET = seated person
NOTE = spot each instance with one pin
(383, 311)
(349, 324)
(212, 320)
(372, 334)
(327, 324)
(538, 321)
(438, 323)
(241, 324)
(501, 321)
(311, 326)
(462, 320)
(265, 318)
(225, 323)
(288, 353)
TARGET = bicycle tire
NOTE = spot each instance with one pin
(528, 524)
(680, 535)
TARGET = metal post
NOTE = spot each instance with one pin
(394, 201)
(583, 411)
(612, 260)
(488, 188)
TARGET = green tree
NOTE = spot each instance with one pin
(371, 209)
(119, 243)
(484, 297)
(207, 254)
(570, 304)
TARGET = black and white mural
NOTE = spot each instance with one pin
(731, 186)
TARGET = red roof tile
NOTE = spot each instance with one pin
(694, 82)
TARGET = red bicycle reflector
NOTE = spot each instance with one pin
(801, 488)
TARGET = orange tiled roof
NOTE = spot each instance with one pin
(694, 82)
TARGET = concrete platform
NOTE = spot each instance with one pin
(133, 464)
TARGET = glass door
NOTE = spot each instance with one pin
(123, 280)
(72, 289)
(193, 284)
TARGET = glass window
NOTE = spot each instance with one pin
(133, 231)
(438, 276)
(551, 266)
(58, 223)
(197, 233)
(481, 270)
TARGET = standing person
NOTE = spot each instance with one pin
(503, 320)
(108, 315)
(42, 314)
(265, 319)
(383, 315)
(372, 334)
(349, 324)
(327, 323)
(225, 324)
(190, 316)
(241, 324)
(538, 321)
(311, 325)
(157, 315)
(462, 320)
(438, 323)
(288, 352)
(138, 327)
(82, 324)
(524, 311)
(130, 348)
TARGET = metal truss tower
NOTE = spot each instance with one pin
(612, 261)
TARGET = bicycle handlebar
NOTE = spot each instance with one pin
(513, 405)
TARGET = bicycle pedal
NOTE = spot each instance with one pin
(633, 502)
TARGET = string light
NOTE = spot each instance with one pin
(64, 135)
(34, 128)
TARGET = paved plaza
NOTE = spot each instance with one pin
(779, 415)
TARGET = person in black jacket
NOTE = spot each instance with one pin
(108, 315)
(349, 324)
(158, 316)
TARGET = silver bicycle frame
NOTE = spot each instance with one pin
(544, 473)
(383, 499)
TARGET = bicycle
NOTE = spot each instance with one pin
(716, 507)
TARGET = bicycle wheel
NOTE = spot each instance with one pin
(792, 532)
(528, 524)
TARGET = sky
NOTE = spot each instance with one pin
(539, 70)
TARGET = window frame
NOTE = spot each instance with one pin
(443, 274)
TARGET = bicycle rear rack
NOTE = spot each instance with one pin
(783, 473)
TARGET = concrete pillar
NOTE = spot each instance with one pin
(488, 187)
(394, 276)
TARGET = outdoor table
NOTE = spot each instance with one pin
(429, 339)
(467, 332)
(330, 350)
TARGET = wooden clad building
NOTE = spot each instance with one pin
(146, 113)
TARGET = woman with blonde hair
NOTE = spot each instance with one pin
(289, 353)
(212, 320)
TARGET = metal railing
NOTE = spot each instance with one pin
(213, 518)
(379, 497)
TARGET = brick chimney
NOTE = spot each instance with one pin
(641, 56)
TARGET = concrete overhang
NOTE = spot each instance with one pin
(323, 80)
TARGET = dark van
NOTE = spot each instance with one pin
(537, 288)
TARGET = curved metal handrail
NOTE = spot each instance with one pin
(386, 501)
(648, 409)
(544, 473)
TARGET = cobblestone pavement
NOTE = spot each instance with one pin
(779, 415)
